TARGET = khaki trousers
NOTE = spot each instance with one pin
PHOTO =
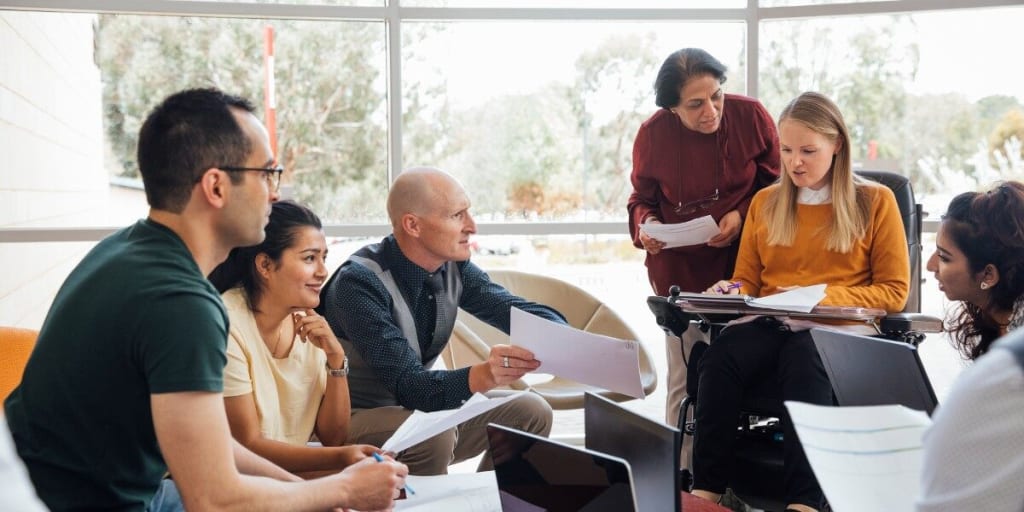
(529, 413)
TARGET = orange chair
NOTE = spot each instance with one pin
(15, 346)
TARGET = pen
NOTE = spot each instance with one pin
(732, 286)
(378, 458)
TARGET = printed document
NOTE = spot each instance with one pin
(455, 492)
(570, 353)
(420, 426)
(696, 231)
(865, 458)
(800, 300)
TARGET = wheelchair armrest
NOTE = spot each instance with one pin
(670, 318)
(909, 327)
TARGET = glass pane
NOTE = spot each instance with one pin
(329, 77)
(79, 87)
(948, 112)
(589, 4)
(538, 119)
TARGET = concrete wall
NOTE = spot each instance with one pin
(51, 158)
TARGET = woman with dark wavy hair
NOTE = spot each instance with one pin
(285, 379)
(972, 457)
(979, 261)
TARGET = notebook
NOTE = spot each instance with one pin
(874, 371)
(651, 448)
(537, 474)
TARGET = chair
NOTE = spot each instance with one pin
(758, 467)
(15, 346)
(472, 339)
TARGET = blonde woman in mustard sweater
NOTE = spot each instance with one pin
(819, 224)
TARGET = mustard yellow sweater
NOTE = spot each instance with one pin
(875, 273)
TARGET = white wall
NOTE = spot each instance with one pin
(51, 142)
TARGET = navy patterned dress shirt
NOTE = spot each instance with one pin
(361, 312)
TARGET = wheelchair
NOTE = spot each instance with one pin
(757, 476)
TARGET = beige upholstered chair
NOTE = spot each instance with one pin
(471, 339)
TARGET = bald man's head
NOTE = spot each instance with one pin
(430, 217)
(419, 191)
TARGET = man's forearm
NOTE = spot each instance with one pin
(249, 463)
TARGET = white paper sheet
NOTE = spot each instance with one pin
(696, 231)
(802, 299)
(420, 426)
(865, 458)
(457, 492)
(570, 353)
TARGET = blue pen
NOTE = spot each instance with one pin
(378, 458)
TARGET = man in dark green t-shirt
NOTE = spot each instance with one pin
(125, 381)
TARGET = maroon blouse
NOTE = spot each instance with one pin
(674, 165)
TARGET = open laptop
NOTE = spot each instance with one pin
(537, 474)
(874, 371)
(650, 447)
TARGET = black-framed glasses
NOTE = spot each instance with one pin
(271, 174)
(700, 204)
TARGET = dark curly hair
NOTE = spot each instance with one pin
(988, 227)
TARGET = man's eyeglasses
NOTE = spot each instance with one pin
(271, 174)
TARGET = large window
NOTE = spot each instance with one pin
(948, 112)
(328, 92)
(538, 118)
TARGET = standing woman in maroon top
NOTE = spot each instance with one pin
(703, 153)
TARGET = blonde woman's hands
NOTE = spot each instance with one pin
(313, 328)
(725, 288)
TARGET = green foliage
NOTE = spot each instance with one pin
(1010, 126)
(331, 101)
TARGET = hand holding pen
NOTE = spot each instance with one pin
(725, 288)
(378, 458)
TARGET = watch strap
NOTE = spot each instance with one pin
(338, 372)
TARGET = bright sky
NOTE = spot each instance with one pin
(487, 59)
(971, 51)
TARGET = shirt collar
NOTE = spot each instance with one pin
(810, 196)
(407, 274)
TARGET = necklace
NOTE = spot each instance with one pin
(277, 342)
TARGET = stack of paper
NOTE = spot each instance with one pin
(801, 300)
(865, 458)
(420, 426)
(696, 231)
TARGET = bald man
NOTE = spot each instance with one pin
(393, 306)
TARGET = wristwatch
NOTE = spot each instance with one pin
(340, 372)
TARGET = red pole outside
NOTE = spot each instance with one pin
(269, 94)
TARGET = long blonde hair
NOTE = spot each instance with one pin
(851, 207)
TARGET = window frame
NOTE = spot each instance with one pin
(394, 14)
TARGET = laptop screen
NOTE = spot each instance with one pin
(874, 371)
(537, 474)
(650, 447)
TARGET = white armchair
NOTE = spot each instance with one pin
(472, 339)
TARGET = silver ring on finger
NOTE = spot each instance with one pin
(504, 361)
